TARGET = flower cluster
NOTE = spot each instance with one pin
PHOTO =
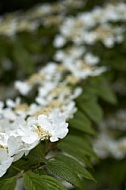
(43, 14)
(22, 126)
(93, 26)
(52, 90)
(19, 136)
(78, 29)
(109, 143)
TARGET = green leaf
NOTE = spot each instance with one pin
(8, 184)
(75, 165)
(103, 89)
(80, 143)
(33, 181)
(82, 123)
(92, 109)
(36, 182)
(74, 152)
(65, 172)
(52, 183)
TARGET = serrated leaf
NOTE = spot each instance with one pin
(8, 184)
(52, 183)
(75, 165)
(63, 171)
(33, 181)
(76, 153)
(82, 123)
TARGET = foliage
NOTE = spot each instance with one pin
(72, 160)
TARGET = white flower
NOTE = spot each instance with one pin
(59, 55)
(10, 103)
(28, 134)
(98, 71)
(91, 59)
(21, 137)
(50, 68)
(41, 100)
(55, 125)
(9, 114)
(46, 88)
(102, 145)
(69, 109)
(25, 131)
(109, 42)
(77, 92)
(33, 108)
(22, 87)
(43, 93)
(5, 161)
(17, 146)
(70, 53)
(59, 41)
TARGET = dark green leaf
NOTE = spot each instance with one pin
(52, 183)
(34, 181)
(82, 123)
(103, 89)
(65, 172)
(75, 165)
(92, 109)
(74, 152)
(80, 143)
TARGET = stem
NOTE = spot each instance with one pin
(16, 168)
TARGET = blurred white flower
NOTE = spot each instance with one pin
(22, 87)
(10, 103)
(8, 113)
(91, 59)
(59, 41)
(109, 42)
(69, 109)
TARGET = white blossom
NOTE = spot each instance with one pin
(91, 59)
(59, 41)
(5, 161)
(10, 103)
(23, 87)
(54, 124)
